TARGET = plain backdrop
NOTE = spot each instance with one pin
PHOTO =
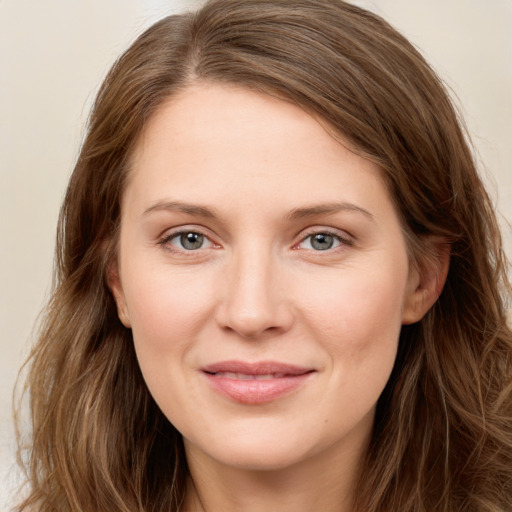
(53, 55)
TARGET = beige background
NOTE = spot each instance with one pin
(53, 55)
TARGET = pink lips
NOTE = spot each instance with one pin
(255, 383)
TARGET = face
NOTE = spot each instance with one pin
(263, 271)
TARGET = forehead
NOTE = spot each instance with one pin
(221, 141)
(221, 115)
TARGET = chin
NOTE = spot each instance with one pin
(254, 452)
(260, 459)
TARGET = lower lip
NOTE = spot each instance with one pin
(256, 391)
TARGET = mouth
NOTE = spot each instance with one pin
(245, 376)
(255, 383)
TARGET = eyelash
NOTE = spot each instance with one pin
(165, 241)
(343, 240)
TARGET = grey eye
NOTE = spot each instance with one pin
(322, 241)
(191, 241)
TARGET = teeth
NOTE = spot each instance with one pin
(245, 376)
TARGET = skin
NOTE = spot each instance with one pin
(259, 173)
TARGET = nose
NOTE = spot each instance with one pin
(254, 300)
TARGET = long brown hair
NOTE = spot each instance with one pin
(442, 439)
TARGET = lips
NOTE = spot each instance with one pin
(255, 383)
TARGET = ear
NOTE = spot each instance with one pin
(114, 284)
(426, 280)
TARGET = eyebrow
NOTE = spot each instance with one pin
(295, 214)
(327, 208)
(179, 206)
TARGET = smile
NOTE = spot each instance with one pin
(245, 376)
(255, 383)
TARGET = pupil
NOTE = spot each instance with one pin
(191, 241)
(322, 242)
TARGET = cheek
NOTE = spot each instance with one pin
(364, 319)
(167, 314)
(359, 314)
(166, 309)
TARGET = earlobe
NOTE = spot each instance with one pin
(426, 281)
(114, 284)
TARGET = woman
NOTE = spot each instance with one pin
(279, 282)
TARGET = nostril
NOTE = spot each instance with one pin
(247, 331)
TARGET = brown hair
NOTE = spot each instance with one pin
(443, 434)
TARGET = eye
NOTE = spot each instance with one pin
(187, 241)
(323, 241)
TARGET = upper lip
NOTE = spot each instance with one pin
(257, 368)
